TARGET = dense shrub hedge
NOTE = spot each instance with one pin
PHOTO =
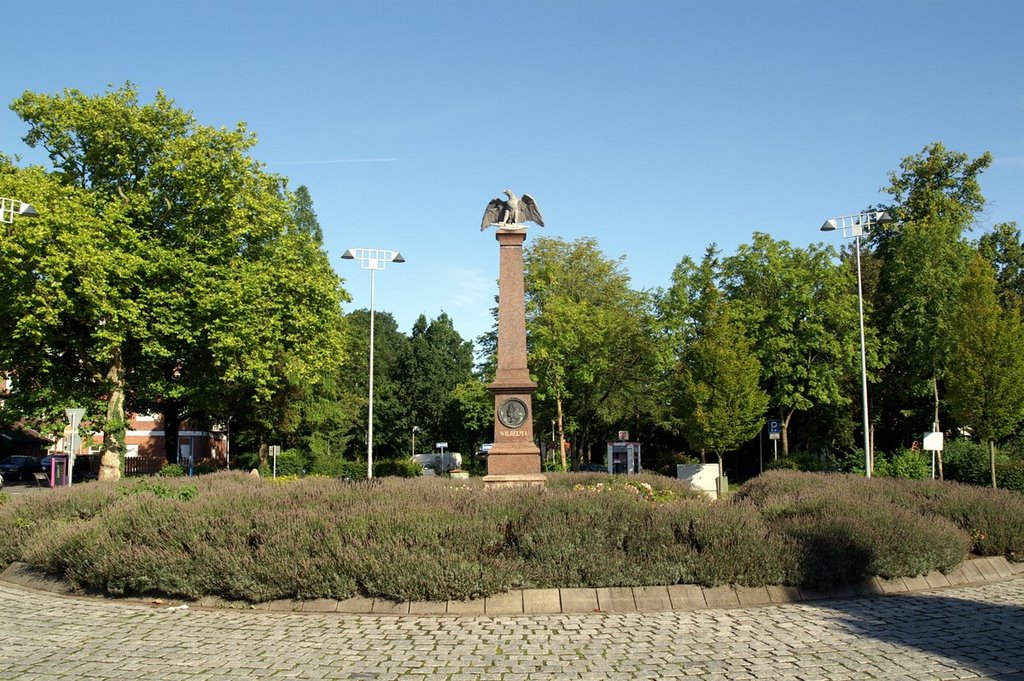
(969, 462)
(964, 461)
(991, 522)
(400, 468)
(850, 528)
(243, 537)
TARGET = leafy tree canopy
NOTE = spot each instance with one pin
(197, 296)
(801, 309)
(590, 337)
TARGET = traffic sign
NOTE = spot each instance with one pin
(774, 429)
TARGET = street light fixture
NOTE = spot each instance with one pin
(372, 259)
(414, 429)
(856, 226)
(11, 207)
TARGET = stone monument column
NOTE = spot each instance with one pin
(514, 459)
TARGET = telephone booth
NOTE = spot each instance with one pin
(624, 458)
(58, 470)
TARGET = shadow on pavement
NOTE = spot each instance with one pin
(982, 636)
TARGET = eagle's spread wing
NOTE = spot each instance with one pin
(492, 213)
(528, 210)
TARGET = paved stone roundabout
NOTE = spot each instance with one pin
(966, 632)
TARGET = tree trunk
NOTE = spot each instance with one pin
(561, 432)
(938, 457)
(935, 385)
(992, 460)
(722, 488)
(785, 430)
(170, 410)
(113, 432)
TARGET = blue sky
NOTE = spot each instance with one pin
(654, 127)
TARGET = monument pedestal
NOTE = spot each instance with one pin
(514, 459)
(507, 481)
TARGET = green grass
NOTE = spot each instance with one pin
(242, 537)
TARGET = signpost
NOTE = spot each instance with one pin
(75, 418)
(774, 434)
(933, 443)
(442, 446)
(274, 451)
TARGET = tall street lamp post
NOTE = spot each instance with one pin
(372, 259)
(856, 226)
(414, 429)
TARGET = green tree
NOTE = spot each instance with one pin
(304, 217)
(718, 399)
(800, 308)
(924, 255)
(590, 337)
(472, 409)
(1004, 249)
(985, 368)
(202, 294)
(68, 287)
(438, 361)
(392, 424)
(684, 303)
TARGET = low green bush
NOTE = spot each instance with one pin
(290, 463)
(990, 521)
(969, 462)
(783, 463)
(905, 463)
(28, 515)
(798, 461)
(352, 470)
(1010, 474)
(205, 468)
(993, 518)
(400, 468)
(242, 537)
(966, 461)
(172, 470)
(182, 492)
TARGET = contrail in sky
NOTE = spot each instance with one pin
(337, 160)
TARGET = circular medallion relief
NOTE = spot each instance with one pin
(512, 412)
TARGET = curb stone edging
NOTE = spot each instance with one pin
(574, 601)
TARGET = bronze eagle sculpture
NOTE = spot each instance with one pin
(511, 214)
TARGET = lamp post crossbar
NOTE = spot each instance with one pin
(855, 226)
(11, 207)
(372, 259)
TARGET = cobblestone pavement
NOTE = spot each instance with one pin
(960, 633)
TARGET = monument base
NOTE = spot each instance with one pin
(519, 463)
(520, 480)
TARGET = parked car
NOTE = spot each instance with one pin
(19, 467)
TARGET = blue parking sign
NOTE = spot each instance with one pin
(774, 426)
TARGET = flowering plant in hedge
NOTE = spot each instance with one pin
(636, 487)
